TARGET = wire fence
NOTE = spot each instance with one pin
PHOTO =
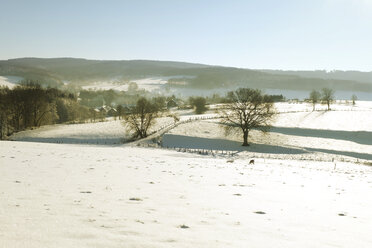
(317, 157)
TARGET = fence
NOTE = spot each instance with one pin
(317, 157)
(191, 150)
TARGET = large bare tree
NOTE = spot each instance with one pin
(141, 117)
(327, 96)
(247, 109)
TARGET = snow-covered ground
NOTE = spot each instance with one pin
(150, 84)
(339, 105)
(342, 134)
(108, 132)
(9, 81)
(103, 133)
(298, 133)
(59, 195)
(79, 195)
(107, 85)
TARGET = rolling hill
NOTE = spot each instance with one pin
(80, 72)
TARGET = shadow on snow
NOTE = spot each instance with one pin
(361, 137)
(180, 141)
(95, 141)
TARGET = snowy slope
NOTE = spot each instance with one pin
(341, 117)
(297, 133)
(59, 195)
(103, 133)
(78, 195)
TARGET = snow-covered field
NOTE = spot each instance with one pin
(109, 195)
(108, 132)
(107, 85)
(59, 195)
(344, 134)
(150, 84)
(9, 81)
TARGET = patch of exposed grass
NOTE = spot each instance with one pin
(135, 199)
(259, 212)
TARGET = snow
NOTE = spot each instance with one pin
(108, 132)
(75, 194)
(150, 84)
(114, 84)
(59, 195)
(297, 133)
(9, 81)
(341, 117)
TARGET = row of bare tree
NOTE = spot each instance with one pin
(326, 96)
(29, 105)
(246, 109)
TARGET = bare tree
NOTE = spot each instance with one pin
(354, 98)
(40, 107)
(4, 112)
(120, 111)
(160, 102)
(314, 97)
(327, 96)
(30, 105)
(141, 117)
(199, 104)
(247, 109)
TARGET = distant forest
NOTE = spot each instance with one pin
(78, 72)
(30, 105)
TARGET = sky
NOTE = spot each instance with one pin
(256, 34)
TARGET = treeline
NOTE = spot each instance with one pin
(29, 105)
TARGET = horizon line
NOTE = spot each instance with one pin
(196, 63)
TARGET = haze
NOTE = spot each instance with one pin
(264, 34)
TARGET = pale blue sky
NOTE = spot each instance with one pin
(272, 34)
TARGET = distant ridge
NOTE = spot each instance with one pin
(79, 71)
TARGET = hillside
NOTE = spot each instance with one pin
(307, 187)
(297, 133)
(108, 195)
(336, 74)
(80, 72)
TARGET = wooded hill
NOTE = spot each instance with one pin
(55, 71)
